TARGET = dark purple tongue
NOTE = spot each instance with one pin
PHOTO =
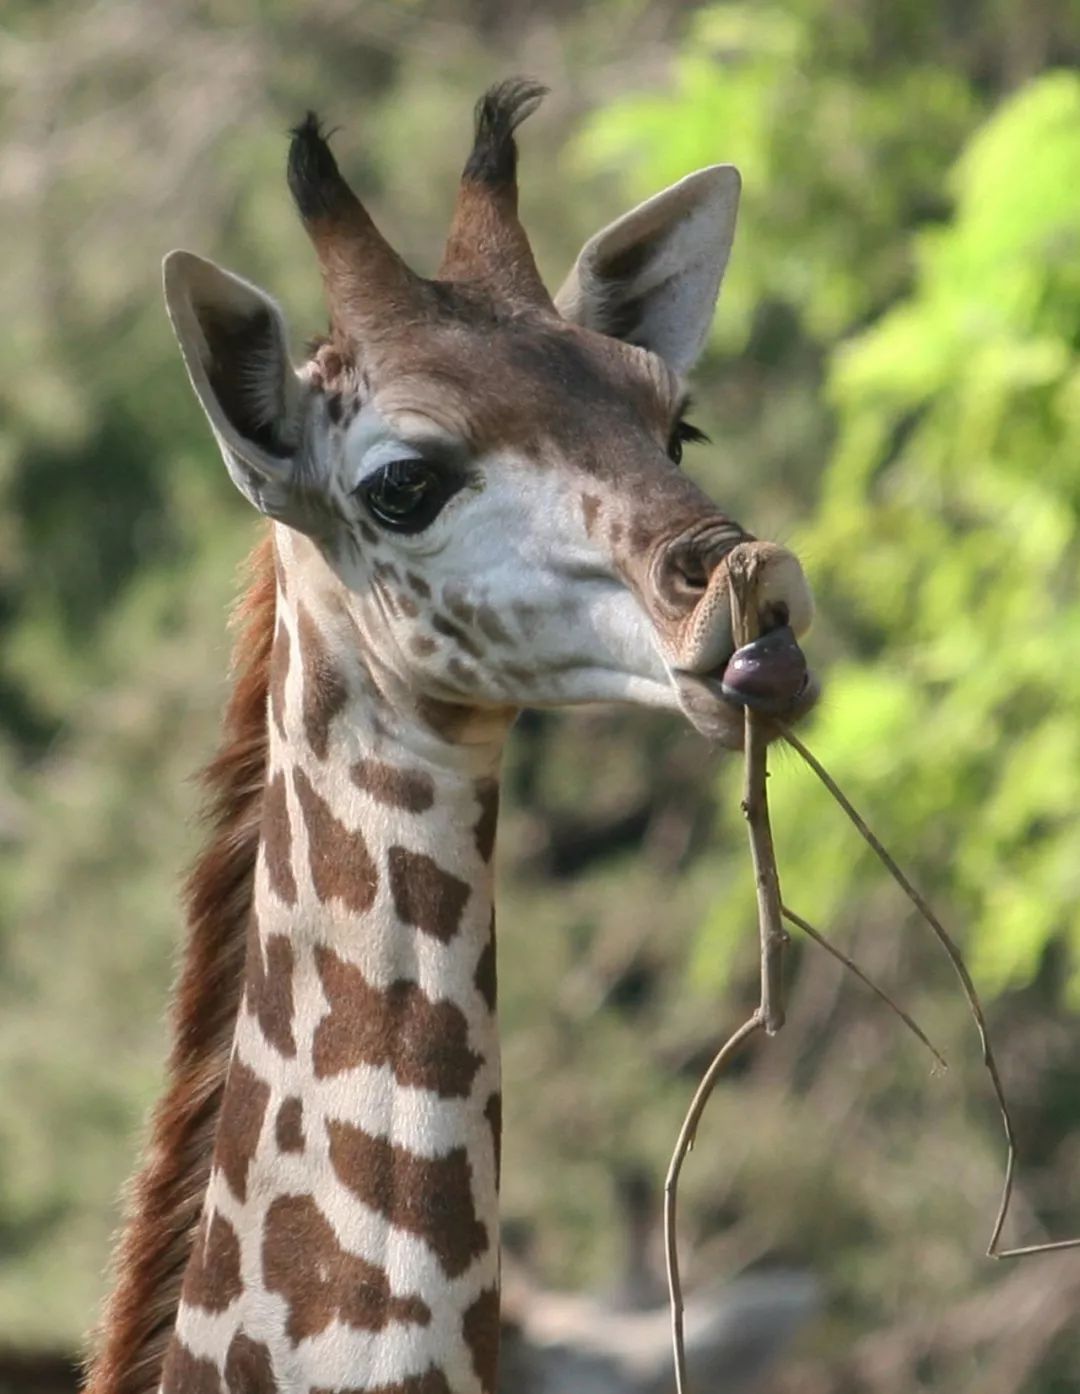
(768, 675)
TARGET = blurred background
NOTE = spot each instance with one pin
(893, 388)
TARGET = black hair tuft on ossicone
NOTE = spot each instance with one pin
(499, 112)
(315, 181)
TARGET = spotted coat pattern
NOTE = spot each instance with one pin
(349, 1235)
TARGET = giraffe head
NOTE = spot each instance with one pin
(486, 477)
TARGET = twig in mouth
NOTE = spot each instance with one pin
(769, 1014)
(743, 572)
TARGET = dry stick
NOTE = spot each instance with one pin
(688, 1131)
(852, 967)
(970, 994)
(671, 1185)
(743, 568)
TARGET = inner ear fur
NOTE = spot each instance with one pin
(653, 276)
(234, 343)
(244, 370)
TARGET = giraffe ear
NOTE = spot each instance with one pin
(234, 343)
(652, 277)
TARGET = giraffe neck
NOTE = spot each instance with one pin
(349, 1238)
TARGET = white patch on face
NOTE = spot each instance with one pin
(512, 543)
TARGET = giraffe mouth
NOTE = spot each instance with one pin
(769, 675)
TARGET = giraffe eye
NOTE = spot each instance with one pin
(406, 495)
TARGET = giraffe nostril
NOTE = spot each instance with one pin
(688, 570)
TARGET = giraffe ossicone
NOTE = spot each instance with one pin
(475, 506)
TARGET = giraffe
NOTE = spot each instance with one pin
(475, 504)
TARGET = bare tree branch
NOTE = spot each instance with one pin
(972, 997)
(852, 967)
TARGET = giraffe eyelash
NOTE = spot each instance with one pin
(684, 433)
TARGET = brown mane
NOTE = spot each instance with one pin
(166, 1194)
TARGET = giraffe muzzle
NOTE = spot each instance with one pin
(770, 675)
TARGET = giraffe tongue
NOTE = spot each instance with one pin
(769, 675)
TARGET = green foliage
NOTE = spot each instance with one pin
(832, 162)
(949, 537)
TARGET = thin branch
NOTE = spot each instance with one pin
(852, 967)
(685, 1142)
(743, 575)
(771, 931)
(974, 1005)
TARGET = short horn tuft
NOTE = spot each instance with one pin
(315, 181)
(487, 246)
(499, 112)
(364, 277)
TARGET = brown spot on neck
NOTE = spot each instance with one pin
(429, 1197)
(493, 1114)
(487, 796)
(341, 865)
(269, 987)
(184, 1373)
(277, 840)
(485, 975)
(425, 895)
(212, 1280)
(411, 790)
(480, 1328)
(289, 1125)
(242, 1112)
(319, 1280)
(249, 1368)
(425, 1043)
(325, 689)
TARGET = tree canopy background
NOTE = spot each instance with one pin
(893, 388)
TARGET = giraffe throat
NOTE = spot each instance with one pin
(349, 1236)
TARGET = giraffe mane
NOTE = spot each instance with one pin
(165, 1197)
